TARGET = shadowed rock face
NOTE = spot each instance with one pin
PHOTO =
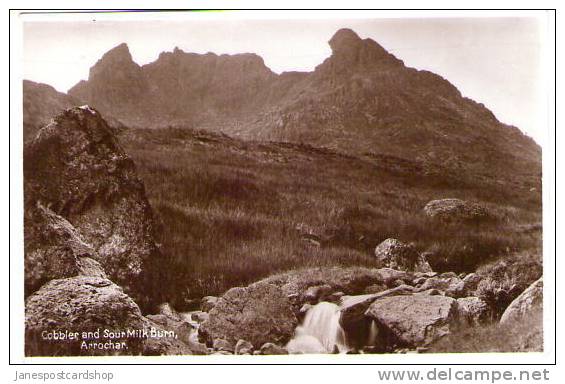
(76, 169)
(54, 249)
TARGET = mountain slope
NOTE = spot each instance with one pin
(361, 99)
(41, 102)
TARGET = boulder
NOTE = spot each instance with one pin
(473, 311)
(75, 167)
(243, 347)
(168, 311)
(89, 304)
(395, 254)
(456, 290)
(419, 281)
(199, 316)
(455, 209)
(259, 313)
(415, 320)
(352, 314)
(388, 276)
(317, 293)
(223, 345)
(471, 282)
(441, 283)
(273, 349)
(207, 303)
(170, 320)
(335, 297)
(530, 300)
(168, 347)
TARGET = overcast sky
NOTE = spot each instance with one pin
(495, 61)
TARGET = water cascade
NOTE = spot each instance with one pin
(320, 332)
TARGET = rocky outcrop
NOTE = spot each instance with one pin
(54, 249)
(416, 320)
(530, 300)
(395, 254)
(455, 209)
(76, 169)
(87, 315)
(87, 222)
(260, 313)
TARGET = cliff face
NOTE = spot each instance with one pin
(178, 87)
(75, 172)
(360, 99)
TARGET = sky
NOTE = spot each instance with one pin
(492, 60)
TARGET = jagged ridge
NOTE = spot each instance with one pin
(360, 99)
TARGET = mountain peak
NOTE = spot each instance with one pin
(114, 63)
(120, 51)
(344, 38)
(350, 51)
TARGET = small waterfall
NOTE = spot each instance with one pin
(373, 333)
(320, 332)
(187, 316)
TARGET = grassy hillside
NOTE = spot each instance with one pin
(231, 212)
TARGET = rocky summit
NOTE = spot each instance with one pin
(80, 184)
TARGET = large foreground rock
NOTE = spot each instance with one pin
(89, 304)
(260, 313)
(76, 168)
(395, 254)
(416, 320)
(54, 249)
(352, 314)
(530, 300)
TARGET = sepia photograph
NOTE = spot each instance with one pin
(208, 183)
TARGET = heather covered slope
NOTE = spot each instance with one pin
(232, 211)
(361, 99)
